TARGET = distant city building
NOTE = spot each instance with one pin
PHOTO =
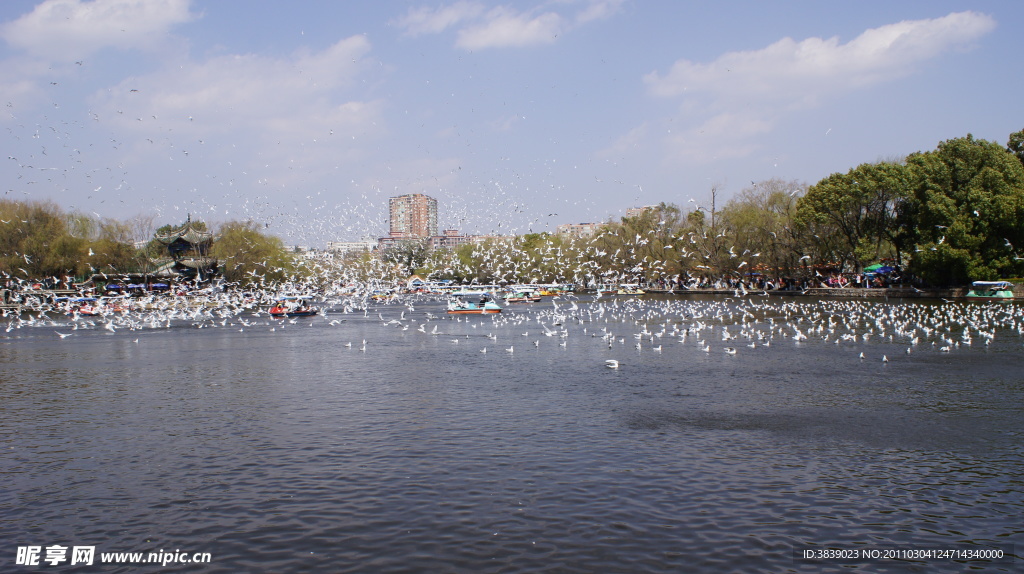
(451, 239)
(413, 216)
(346, 247)
(578, 229)
(637, 211)
(414, 219)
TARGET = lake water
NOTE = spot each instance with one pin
(275, 447)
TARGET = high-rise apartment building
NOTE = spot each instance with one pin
(413, 216)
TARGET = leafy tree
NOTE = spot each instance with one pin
(1016, 145)
(705, 241)
(112, 248)
(762, 222)
(968, 207)
(248, 257)
(640, 248)
(864, 210)
(409, 254)
(35, 243)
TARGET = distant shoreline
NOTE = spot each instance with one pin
(846, 292)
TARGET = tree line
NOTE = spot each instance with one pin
(41, 242)
(944, 217)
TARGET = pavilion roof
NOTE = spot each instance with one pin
(187, 232)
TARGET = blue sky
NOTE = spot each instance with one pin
(517, 116)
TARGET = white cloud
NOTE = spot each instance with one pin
(237, 88)
(628, 144)
(72, 29)
(729, 104)
(723, 136)
(503, 27)
(419, 21)
(598, 10)
(19, 86)
(806, 70)
(298, 110)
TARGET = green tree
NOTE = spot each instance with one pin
(762, 223)
(706, 241)
(409, 254)
(968, 207)
(248, 257)
(35, 242)
(864, 209)
(1016, 145)
(112, 248)
(640, 248)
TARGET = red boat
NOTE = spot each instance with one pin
(279, 311)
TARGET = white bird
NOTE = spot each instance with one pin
(63, 335)
(730, 350)
(611, 363)
(511, 349)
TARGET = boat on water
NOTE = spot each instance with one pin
(277, 311)
(523, 296)
(462, 305)
(629, 289)
(293, 307)
(991, 291)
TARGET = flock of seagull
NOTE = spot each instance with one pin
(729, 325)
(644, 324)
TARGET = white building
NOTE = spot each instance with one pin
(346, 247)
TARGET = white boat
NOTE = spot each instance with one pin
(629, 289)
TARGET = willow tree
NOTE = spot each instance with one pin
(642, 247)
(705, 243)
(35, 242)
(111, 248)
(968, 207)
(761, 221)
(249, 257)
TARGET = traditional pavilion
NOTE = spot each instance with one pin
(189, 250)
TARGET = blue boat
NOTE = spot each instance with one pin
(462, 303)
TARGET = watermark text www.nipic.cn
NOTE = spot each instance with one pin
(57, 555)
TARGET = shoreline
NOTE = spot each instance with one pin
(957, 294)
(845, 292)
